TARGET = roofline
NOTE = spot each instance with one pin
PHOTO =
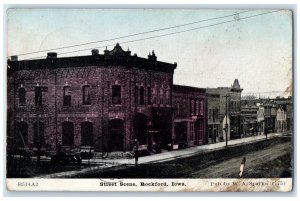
(115, 57)
(197, 89)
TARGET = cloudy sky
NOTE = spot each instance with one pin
(256, 50)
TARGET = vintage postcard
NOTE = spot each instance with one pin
(149, 100)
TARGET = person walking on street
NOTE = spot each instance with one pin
(242, 167)
(136, 151)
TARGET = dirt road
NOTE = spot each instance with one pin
(270, 162)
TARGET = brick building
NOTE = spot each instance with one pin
(213, 104)
(100, 100)
(190, 118)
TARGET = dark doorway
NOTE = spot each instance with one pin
(181, 133)
(162, 121)
(116, 135)
(86, 134)
(38, 134)
(67, 133)
(140, 128)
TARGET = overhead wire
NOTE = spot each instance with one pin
(163, 35)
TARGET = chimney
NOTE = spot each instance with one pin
(95, 52)
(14, 58)
(51, 55)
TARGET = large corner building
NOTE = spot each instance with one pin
(100, 100)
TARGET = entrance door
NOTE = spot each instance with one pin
(116, 135)
(87, 134)
(140, 128)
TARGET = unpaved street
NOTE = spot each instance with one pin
(269, 162)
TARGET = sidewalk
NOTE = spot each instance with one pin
(165, 156)
(169, 155)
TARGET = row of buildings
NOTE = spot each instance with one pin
(261, 116)
(105, 101)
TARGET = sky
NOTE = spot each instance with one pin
(257, 51)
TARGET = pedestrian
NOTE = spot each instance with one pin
(136, 151)
(242, 166)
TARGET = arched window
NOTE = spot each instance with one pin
(86, 95)
(161, 96)
(197, 107)
(67, 96)
(142, 95)
(201, 107)
(168, 97)
(38, 96)
(67, 133)
(116, 94)
(149, 95)
(86, 134)
(22, 96)
(192, 107)
(154, 95)
(38, 134)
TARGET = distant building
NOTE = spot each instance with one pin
(273, 115)
(260, 119)
(287, 105)
(281, 124)
(190, 117)
(233, 102)
(267, 108)
(249, 121)
(213, 112)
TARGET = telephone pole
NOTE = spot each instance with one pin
(267, 122)
(226, 123)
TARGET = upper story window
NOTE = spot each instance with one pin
(67, 96)
(168, 97)
(210, 114)
(234, 106)
(154, 95)
(22, 96)
(38, 96)
(161, 96)
(178, 108)
(136, 94)
(149, 95)
(197, 107)
(192, 107)
(214, 115)
(142, 95)
(86, 95)
(201, 107)
(116, 94)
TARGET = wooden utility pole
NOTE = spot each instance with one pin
(267, 122)
(38, 141)
(226, 123)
